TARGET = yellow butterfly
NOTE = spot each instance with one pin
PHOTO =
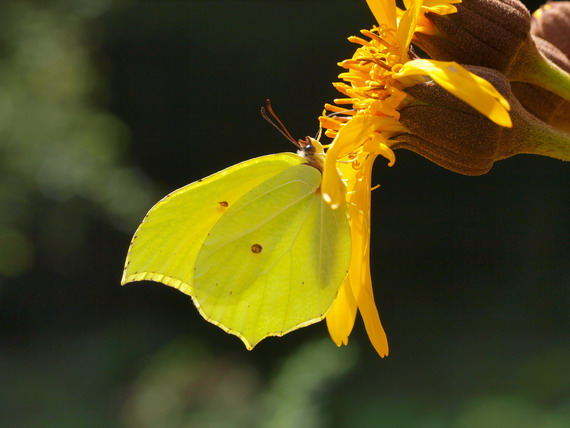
(255, 246)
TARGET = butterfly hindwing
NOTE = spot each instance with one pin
(275, 261)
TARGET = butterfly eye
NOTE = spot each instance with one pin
(309, 149)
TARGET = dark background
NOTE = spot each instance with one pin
(107, 105)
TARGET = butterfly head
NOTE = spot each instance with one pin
(312, 150)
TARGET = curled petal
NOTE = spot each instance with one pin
(377, 144)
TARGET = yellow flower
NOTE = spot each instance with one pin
(362, 124)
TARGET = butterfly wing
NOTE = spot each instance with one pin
(276, 259)
(166, 244)
(255, 246)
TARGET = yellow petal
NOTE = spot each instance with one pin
(407, 27)
(369, 312)
(377, 144)
(439, 7)
(359, 271)
(349, 138)
(474, 90)
(384, 11)
(341, 316)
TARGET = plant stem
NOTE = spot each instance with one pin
(532, 67)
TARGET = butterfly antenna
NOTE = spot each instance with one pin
(276, 122)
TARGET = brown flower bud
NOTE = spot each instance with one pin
(486, 33)
(455, 136)
(493, 34)
(552, 23)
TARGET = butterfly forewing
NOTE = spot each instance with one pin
(167, 242)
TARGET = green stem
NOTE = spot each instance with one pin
(530, 135)
(532, 67)
(554, 144)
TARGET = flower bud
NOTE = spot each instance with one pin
(552, 23)
(486, 33)
(493, 34)
(453, 135)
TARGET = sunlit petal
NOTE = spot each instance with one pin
(384, 11)
(359, 272)
(407, 27)
(369, 312)
(440, 7)
(357, 129)
(474, 90)
(341, 317)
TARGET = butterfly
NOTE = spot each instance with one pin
(255, 245)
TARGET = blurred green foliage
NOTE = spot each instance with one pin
(105, 105)
(187, 386)
(58, 142)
